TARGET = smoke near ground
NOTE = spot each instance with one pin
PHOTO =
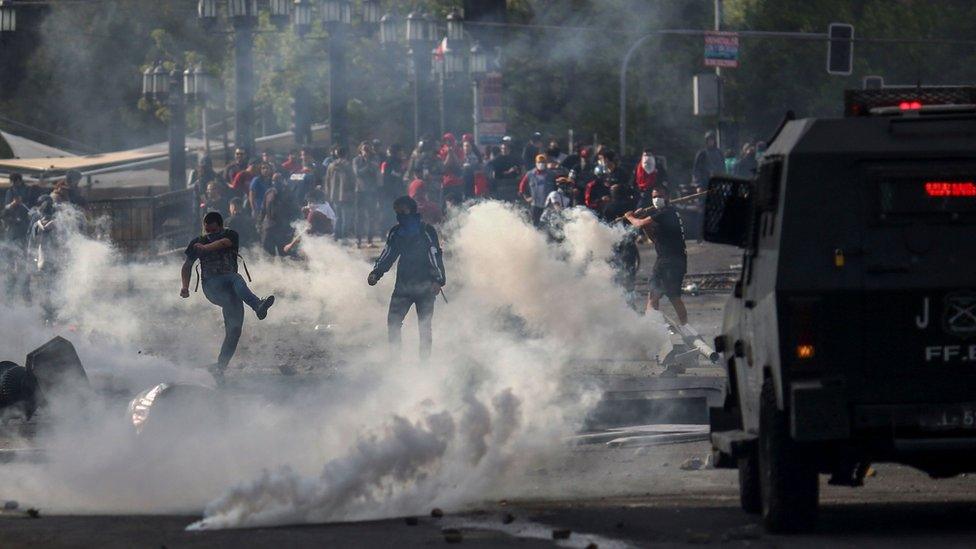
(356, 435)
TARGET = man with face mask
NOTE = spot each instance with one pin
(648, 175)
(535, 186)
(668, 234)
(420, 272)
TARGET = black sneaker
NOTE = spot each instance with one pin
(262, 310)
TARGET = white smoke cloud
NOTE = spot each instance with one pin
(361, 436)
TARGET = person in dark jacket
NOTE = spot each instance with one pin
(241, 222)
(420, 272)
(222, 285)
(367, 172)
(708, 162)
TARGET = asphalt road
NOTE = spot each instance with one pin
(648, 501)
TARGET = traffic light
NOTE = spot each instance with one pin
(840, 48)
(301, 112)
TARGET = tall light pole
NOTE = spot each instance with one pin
(418, 38)
(244, 14)
(173, 88)
(478, 68)
(337, 14)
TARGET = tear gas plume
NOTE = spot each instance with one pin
(355, 435)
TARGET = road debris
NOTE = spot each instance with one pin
(33, 513)
(452, 535)
(561, 533)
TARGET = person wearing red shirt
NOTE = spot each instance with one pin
(648, 175)
(429, 211)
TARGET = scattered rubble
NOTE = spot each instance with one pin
(693, 464)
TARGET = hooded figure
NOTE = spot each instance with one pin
(420, 272)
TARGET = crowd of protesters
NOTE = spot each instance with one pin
(272, 202)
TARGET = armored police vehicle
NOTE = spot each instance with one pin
(851, 336)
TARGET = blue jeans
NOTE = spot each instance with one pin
(230, 293)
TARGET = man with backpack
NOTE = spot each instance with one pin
(217, 251)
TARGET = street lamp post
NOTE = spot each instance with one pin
(478, 68)
(417, 35)
(168, 88)
(337, 14)
(244, 15)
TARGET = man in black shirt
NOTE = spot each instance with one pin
(503, 172)
(217, 251)
(668, 234)
(420, 273)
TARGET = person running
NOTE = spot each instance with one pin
(222, 285)
(671, 264)
(420, 272)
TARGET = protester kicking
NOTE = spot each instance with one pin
(217, 250)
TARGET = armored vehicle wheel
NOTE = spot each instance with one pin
(750, 493)
(790, 484)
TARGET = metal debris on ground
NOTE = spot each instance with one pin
(693, 464)
(452, 535)
(561, 533)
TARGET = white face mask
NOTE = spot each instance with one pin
(658, 202)
(540, 166)
(648, 163)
